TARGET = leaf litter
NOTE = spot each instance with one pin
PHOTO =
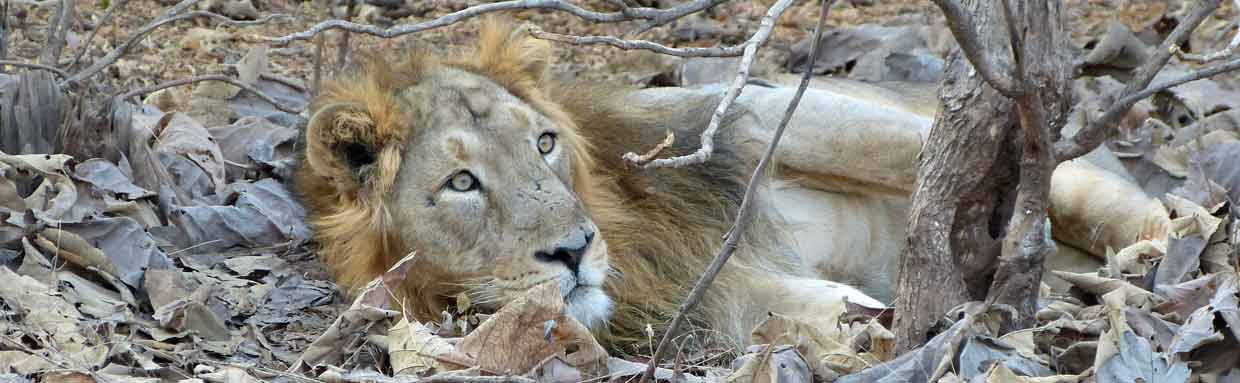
(184, 259)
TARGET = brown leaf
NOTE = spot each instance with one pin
(183, 137)
(353, 324)
(1096, 285)
(818, 339)
(415, 350)
(770, 364)
(519, 328)
(253, 64)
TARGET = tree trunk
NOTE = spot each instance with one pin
(977, 227)
(1042, 64)
(965, 172)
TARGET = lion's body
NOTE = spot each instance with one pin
(661, 227)
(380, 144)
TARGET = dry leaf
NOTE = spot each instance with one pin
(415, 350)
(253, 64)
(1096, 285)
(818, 339)
(183, 137)
(770, 364)
(519, 328)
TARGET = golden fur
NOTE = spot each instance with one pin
(661, 226)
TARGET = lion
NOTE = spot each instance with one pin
(499, 178)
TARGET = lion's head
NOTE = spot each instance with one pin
(463, 161)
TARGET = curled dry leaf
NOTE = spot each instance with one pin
(48, 315)
(184, 137)
(105, 176)
(1136, 361)
(819, 340)
(262, 213)
(415, 350)
(259, 143)
(931, 361)
(128, 246)
(1096, 285)
(770, 364)
(353, 325)
(518, 328)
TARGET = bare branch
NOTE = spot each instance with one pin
(169, 17)
(745, 212)
(4, 30)
(318, 64)
(1229, 66)
(1097, 131)
(965, 31)
(667, 141)
(286, 81)
(55, 70)
(731, 51)
(742, 76)
(656, 17)
(105, 20)
(212, 77)
(57, 29)
(1221, 54)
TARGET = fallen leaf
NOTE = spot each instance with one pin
(518, 328)
(1136, 361)
(260, 143)
(818, 339)
(254, 214)
(183, 137)
(871, 52)
(415, 350)
(253, 64)
(128, 246)
(105, 176)
(770, 364)
(980, 352)
(1096, 285)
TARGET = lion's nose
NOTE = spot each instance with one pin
(569, 251)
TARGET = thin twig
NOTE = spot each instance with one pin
(342, 53)
(742, 76)
(1222, 53)
(745, 212)
(732, 51)
(212, 77)
(965, 30)
(48, 68)
(318, 65)
(291, 83)
(171, 16)
(1098, 130)
(105, 20)
(1229, 66)
(654, 15)
(667, 141)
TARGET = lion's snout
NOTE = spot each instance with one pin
(570, 249)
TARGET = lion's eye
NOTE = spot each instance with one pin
(463, 182)
(546, 143)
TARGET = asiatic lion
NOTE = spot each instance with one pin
(501, 178)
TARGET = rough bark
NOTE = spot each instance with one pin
(978, 224)
(957, 212)
(1043, 66)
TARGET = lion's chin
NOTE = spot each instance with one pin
(588, 305)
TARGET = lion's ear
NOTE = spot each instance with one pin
(510, 54)
(338, 141)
